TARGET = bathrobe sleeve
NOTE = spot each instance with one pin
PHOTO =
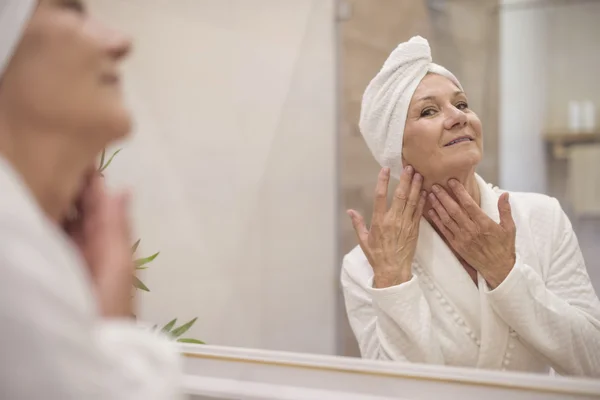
(556, 313)
(54, 346)
(392, 323)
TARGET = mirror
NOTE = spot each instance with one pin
(247, 153)
(216, 372)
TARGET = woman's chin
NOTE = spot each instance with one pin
(460, 161)
(117, 124)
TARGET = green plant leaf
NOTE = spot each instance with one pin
(167, 328)
(142, 261)
(139, 284)
(135, 246)
(193, 341)
(141, 268)
(102, 157)
(110, 160)
(183, 328)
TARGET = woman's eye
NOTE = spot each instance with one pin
(462, 106)
(428, 112)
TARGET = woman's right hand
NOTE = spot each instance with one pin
(391, 242)
(102, 234)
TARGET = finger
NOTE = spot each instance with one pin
(415, 194)
(421, 205)
(451, 207)
(402, 190)
(124, 221)
(504, 208)
(443, 215)
(360, 228)
(440, 225)
(466, 201)
(92, 195)
(381, 189)
(96, 203)
(126, 230)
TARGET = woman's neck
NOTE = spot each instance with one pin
(468, 180)
(51, 166)
(470, 184)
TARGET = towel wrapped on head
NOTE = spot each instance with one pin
(387, 97)
(14, 15)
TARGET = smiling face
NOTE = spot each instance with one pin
(63, 79)
(442, 136)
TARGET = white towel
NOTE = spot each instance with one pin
(14, 15)
(387, 97)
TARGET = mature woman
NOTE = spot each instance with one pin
(65, 304)
(456, 272)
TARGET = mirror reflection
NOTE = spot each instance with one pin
(499, 271)
(501, 117)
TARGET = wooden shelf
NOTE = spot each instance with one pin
(560, 141)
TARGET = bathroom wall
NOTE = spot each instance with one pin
(233, 166)
(549, 56)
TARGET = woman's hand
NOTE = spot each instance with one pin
(485, 245)
(101, 231)
(391, 242)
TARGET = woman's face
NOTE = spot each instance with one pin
(442, 136)
(64, 75)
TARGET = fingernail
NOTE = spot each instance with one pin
(452, 182)
(409, 169)
(432, 196)
(436, 188)
(423, 193)
(349, 213)
(418, 177)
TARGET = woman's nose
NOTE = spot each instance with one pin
(119, 45)
(456, 118)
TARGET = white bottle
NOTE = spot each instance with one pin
(588, 116)
(575, 116)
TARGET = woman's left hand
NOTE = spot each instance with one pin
(487, 246)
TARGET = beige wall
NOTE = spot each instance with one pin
(549, 56)
(573, 59)
(573, 65)
(233, 166)
(464, 38)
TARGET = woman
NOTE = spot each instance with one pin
(65, 301)
(456, 272)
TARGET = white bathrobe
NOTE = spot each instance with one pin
(544, 315)
(53, 344)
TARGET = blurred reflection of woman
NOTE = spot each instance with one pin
(455, 271)
(65, 301)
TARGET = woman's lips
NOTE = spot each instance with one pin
(461, 139)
